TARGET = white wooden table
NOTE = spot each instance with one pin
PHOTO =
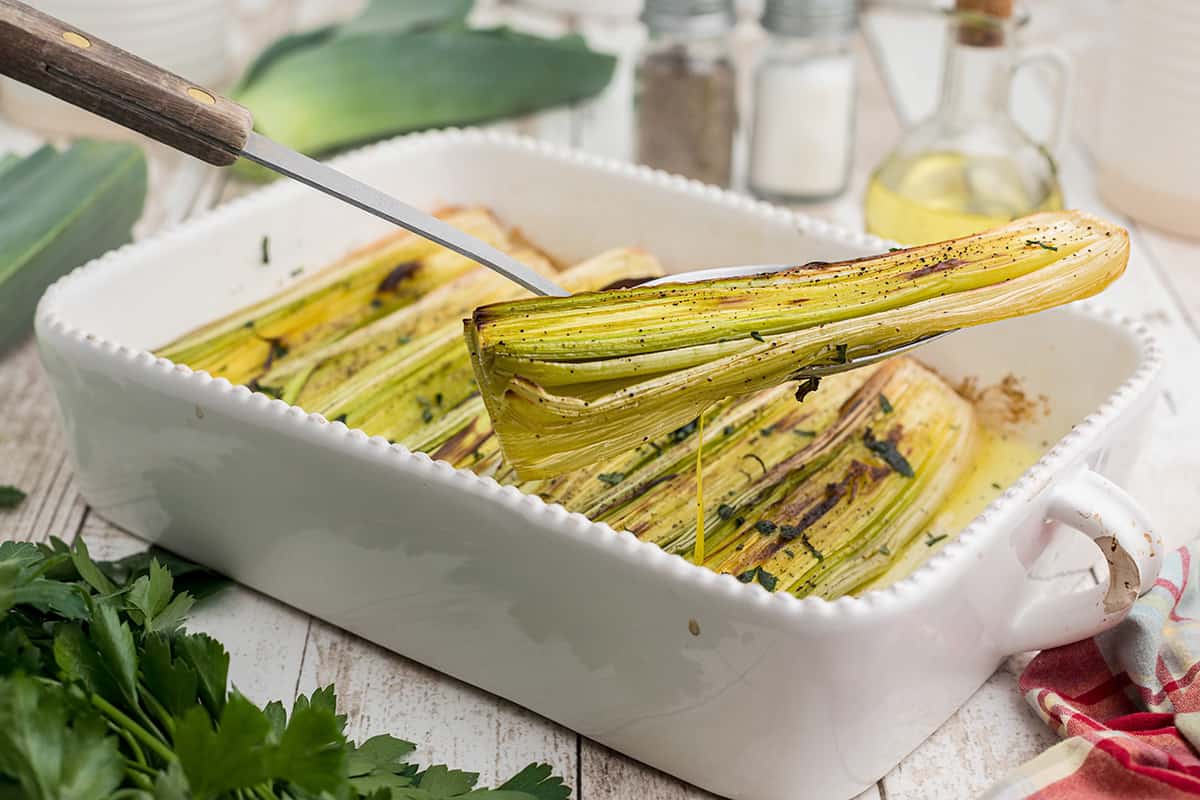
(278, 651)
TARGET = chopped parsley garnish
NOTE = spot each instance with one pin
(729, 430)
(886, 449)
(842, 358)
(884, 550)
(885, 404)
(265, 247)
(765, 527)
(767, 431)
(1042, 245)
(996, 486)
(684, 431)
(756, 336)
(765, 579)
(806, 434)
(725, 511)
(611, 478)
(931, 540)
(807, 387)
(297, 272)
(894, 249)
(10, 496)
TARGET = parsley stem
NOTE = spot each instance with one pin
(116, 715)
(156, 708)
(129, 740)
(142, 768)
(141, 780)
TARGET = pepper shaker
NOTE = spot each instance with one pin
(802, 141)
(686, 105)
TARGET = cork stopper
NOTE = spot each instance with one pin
(984, 26)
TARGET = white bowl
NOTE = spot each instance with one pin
(776, 698)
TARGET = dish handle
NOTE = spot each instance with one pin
(1121, 528)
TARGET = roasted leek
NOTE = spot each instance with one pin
(825, 497)
(573, 380)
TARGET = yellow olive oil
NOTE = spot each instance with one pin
(939, 196)
(1000, 459)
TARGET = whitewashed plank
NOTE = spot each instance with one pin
(1167, 476)
(994, 732)
(608, 775)
(31, 453)
(451, 722)
(265, 638)
(1177, 262)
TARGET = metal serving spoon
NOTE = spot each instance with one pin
(83, 70)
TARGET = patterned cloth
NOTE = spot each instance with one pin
(1127, 702)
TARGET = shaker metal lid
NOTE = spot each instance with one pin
(809, 17)
(697, 17)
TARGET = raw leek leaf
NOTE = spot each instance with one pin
(59, 210)
(400, 16)
(379, 17)
(350, 89)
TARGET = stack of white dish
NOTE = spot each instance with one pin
(1150, 120)
(187, 37)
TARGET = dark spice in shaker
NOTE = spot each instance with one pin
(687, 115)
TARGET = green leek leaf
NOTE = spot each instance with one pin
(59, 210)
(346, 89)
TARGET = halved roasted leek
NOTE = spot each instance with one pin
(421, 380)
(363, 286)
(571, 381)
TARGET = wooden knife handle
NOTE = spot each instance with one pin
(90, 73)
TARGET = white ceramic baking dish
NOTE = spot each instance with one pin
(776, 698)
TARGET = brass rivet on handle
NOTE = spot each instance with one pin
(77, 39)
(201, 96)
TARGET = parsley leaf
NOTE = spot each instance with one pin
(114, 641)
(10, 496)
(105, 636)
(52, 750)
(537, 781)
(230, 757)
(611, 478)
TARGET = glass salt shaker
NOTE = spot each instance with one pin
(802, 141)
(686, 106)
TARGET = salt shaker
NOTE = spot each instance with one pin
(686, 104)
(802, 140)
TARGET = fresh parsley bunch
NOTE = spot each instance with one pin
(104, 696)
